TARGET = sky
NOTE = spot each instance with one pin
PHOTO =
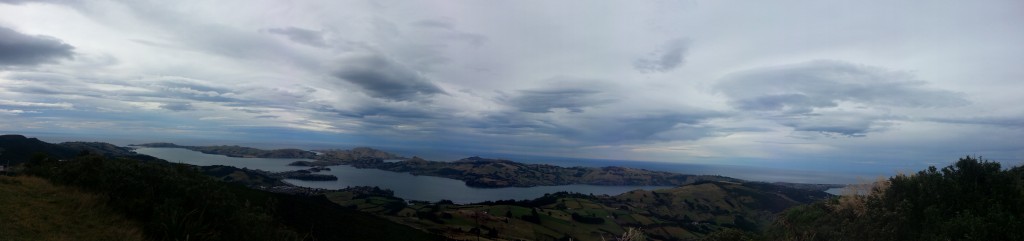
(822, 85)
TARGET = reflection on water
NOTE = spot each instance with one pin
(405, 185)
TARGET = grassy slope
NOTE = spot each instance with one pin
(686, 212)
(33, 209)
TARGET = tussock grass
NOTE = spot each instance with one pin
(33, 209)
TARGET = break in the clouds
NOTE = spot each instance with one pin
(17, 49)
(795, 84)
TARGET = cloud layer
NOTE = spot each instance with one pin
(805, 85)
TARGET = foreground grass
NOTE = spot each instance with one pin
(33, 209)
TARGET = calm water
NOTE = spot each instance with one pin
(187, 156)
(835, 191)
(405, 185)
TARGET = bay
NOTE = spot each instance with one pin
(405, 185)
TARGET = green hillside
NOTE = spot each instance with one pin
(33, 209)
(683, 213)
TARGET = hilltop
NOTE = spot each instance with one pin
(19, 149)
(687, 212)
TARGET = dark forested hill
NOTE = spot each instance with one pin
(18, 149)
(972, 199)
(178, 202)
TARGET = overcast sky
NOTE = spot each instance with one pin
(801, 84)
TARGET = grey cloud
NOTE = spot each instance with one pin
(998, 121)
(668, 57)
(806, 96)
(388, 114)
(572, 99)
(616, 129)
(251, 111)
(813, 85)
(21, 49)
(850, 127)
(383, 78)
(178, 31)
(403, 112)
(301, 35)
(448, 31)
(633, 127)
(191, 90)
(16, 2)
(179, 106)
(434, 24)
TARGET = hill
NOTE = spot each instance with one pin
(682, 213)
(483, 172)
(238, 151)
(35, 209)
(972, 199)
(178, 202)
(19, 149)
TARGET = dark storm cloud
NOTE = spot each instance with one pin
(547, 100)
(670, 56)
(301, 35)
(798, 94)
(383, 78)
(21, 49)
